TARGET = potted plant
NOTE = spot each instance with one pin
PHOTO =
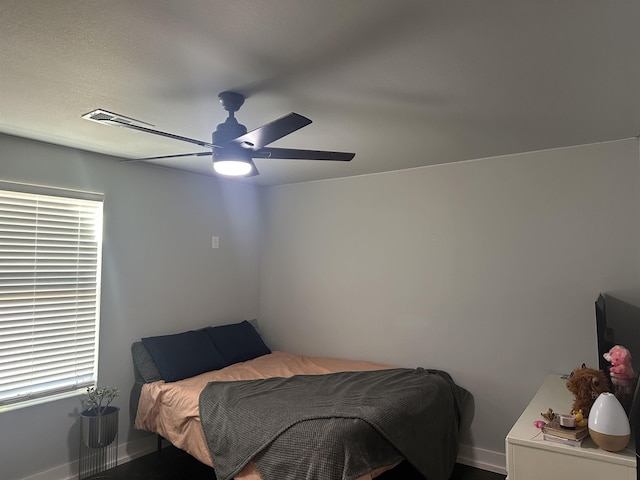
(99, 419)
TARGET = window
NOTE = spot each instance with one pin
(50, 259)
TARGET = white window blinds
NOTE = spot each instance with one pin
(50, 258)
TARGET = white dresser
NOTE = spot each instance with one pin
(529, 457)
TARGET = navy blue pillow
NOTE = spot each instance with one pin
(237, 342)
(183, 355)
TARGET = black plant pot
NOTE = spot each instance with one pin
(99, 430)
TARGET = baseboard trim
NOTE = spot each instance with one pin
(467, 455)
(484, 459)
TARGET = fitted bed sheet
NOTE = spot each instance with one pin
(172, 409)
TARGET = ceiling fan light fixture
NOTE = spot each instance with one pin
(232, 168)
(232, 160)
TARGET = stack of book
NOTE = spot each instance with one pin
(553, 432)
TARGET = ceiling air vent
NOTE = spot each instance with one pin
(107, 118)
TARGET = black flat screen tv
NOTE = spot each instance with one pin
(618, 323)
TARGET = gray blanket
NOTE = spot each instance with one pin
(333, 427)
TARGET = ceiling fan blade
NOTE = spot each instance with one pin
(162, 134)
(295, 154)
(180, 155)
(272, 131)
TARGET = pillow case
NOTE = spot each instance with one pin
(183, 355)
(254, 324)
(237, 342)
(143, 362)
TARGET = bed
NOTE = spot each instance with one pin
(224, 397)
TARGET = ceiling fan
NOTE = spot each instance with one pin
(232, 148)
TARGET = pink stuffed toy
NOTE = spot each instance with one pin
(620, 359)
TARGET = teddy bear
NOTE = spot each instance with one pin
(621, 370)
(586, 384)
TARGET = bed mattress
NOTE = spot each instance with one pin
(172, 409)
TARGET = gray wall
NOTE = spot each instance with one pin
(160, 275)
(487, 269)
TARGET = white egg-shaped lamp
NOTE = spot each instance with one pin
(608, 423)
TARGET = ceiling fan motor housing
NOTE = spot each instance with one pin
(232, 153)
(227, 131)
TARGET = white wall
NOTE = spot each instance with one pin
(487, 269)
(160, 275)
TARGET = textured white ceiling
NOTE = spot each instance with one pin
(402, 84)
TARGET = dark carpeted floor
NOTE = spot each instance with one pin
(174, 464)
